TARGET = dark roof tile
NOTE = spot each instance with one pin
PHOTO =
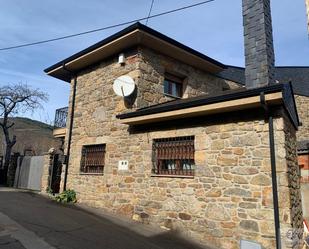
(299, 76)
(303, 146)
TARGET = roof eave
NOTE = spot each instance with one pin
(206, 109)
(131, 36)
(275, 95)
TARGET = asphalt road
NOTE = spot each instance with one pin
(30, 221)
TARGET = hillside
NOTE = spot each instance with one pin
(31, 135)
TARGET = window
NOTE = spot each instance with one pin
(173, 86)
(174, 156)
(93, 158)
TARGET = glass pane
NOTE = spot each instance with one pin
(179, 90)
(187, 164)
(171, 165)
(174, 89)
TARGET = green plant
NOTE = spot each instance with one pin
(49, 190)
(67, 196)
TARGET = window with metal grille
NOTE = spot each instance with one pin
(93, 158)
(174, 156)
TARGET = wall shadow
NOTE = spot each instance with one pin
(70, 226)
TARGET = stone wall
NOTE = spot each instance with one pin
(49, 161)
(302, 103)
(152, 68)
(45, 181)
(230, 196)
(289, 185)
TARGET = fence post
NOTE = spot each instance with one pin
(48, 164)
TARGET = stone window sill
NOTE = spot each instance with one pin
(171, 96)
(91, 174)
(173, 176)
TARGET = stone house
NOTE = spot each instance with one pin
(299, 78)
(189, 149)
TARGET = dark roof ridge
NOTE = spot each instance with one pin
(239, 67)
(291, 66)
(298, 75)
(303, 146)
(242, 67)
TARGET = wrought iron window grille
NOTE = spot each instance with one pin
(173, 156)
(93, 159)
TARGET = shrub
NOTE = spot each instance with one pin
(67, 196)
(49, 190)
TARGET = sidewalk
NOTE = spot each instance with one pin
(14, 236)
(31, 221)
(7, 242)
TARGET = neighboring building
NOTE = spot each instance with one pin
(33, 137)
(303, 160)
(188, 150)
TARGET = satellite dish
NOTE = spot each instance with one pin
(124, 86)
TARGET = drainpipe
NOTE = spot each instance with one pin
(70, 125)
(273, 168)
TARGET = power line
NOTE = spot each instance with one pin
(152, 2)
(107, 27)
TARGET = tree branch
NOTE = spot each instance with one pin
(10, 126)
(15, 99)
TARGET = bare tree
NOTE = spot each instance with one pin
(16, 99)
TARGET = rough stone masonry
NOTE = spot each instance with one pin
(230, 196)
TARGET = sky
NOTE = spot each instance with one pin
(214, 29)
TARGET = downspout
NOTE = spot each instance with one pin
(273, 168)
(70, 125)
